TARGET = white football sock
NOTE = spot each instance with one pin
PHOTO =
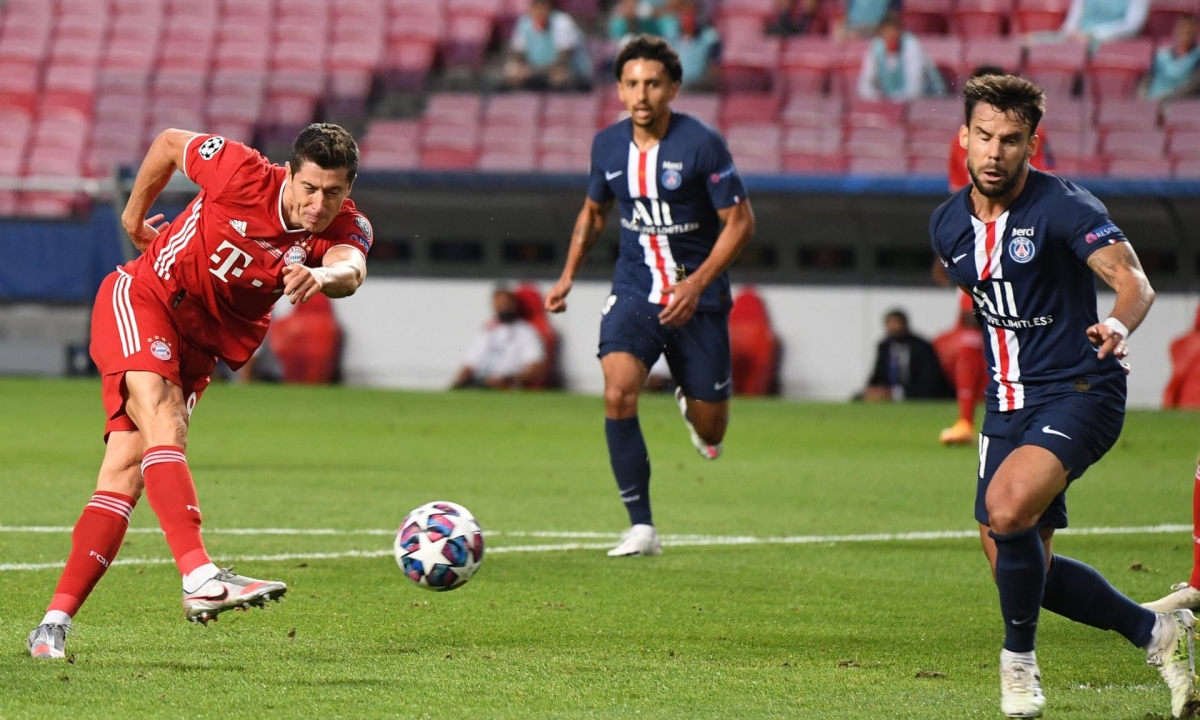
(56, 617)
(193, 580)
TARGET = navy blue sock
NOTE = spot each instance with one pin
(630, 465)
(1020, 577)
(1077, 592)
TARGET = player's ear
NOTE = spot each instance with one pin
(1035, 141)
(963, 134)
(288, 166)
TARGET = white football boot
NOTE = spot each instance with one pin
(1181, 597)
(1020, 686)
(708, 452)
(640, 539)
(227, 591)
(1174, 657)
(47, 641)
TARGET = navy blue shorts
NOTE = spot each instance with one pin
(698, 352)
(1078, 429)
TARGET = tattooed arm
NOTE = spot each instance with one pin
(1118, 266)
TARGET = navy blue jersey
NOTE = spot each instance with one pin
(668, 198)
(1034, 293)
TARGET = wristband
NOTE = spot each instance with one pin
(1117, 326)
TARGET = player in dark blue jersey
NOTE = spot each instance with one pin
(1026, 245)
(674, 182)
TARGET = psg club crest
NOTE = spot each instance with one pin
(1021, 249)
(671, 179)
(295, 255)
(160, 349)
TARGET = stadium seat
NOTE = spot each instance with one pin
(941, 115)
(875, 114)
(1184, 145)
(1057, 67)
(498, 161)
(467, 36)
(1134, 145)
(877, 143)
(1187, 169)
(813, 111)
(408, 64)
(453, 110)
(571, 110)
(449, 147)
(515, 110)
(1117, 66)
(749, 108)
(1039, 15)
(1073, 146)
(479, 8)
(758, 10)
(1071, 115)
(946, 53)
(1182, 115)
(1140, 168)
(1004, 52)
(974, 19)
(888, 166)
(509, 139)
(926, 17)
(391, 145)
(843, 78)
(755, 148)
(564, 162)
(703, 107)
(1160, 22)
(425, 21)
(927, 165)
(565, 139)
(1127, 115)
(805, 64)
(749, 66)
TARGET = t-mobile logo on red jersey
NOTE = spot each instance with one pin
(236, 256)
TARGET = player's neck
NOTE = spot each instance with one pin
(989, 209)
(646, 137)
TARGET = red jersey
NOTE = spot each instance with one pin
(960, 178)
(220, 263)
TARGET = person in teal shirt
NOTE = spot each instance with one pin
(895, 66)
(1174, 70)
(697, 43)
(547, 51)
(1099, 21)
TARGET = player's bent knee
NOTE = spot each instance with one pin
(1005, 518)
(620, 402)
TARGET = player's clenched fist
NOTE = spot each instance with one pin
(556, 298)
(300, 282)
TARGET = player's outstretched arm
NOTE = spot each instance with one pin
(588, 227)
(163, 157)
(685, 295)
(1118, 266)
(341, 273)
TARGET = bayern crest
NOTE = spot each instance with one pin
(295, 255)
(161, 350)
(1021, 249)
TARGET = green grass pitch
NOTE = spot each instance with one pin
(892, 628)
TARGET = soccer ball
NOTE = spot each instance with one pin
(439, 546)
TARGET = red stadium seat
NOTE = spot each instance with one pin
(234, 108)
(499, 161)
(570, 110)
(946, 53)
(1187, 169)
(1057, 67)
(1071, 115)
(974, 19)
(806, 62)
(517, 110)
(1127, 115)
(875, 142)
(564, 162)
(479, 8)
(755, 148)
(941, 115)
(1134, 145)
(749, 108)
(467, 36)
(1117, 67)
(1039, 15)
(875, 114)
(758, 10)
(927, 165)
(1160, 22)
(1140, 168)
(749, 67)
(1182, 115)
(408, 64)
(1184, 145)
(1074, 146)
(509, 139)
(807, 141)
(888, 166)
(813, 111)
(1004, 52)
(420, 22)
(843, 79)
(453, 110)
(564, 139)
(926, 17)
(706, 108)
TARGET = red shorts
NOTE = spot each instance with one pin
(133, 330)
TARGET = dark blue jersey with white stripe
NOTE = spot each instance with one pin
(668, 198)
(1034, 293)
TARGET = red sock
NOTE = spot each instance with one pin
(1195, 579)
(172, 496)
(968, 372)
(94, 544)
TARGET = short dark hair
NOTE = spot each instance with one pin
(988, 70)
(1006, 93)
(327, 145)
(898, 314)
(649, 47)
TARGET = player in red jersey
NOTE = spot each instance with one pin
(202, 289)
(1186, 595)
(970, 372)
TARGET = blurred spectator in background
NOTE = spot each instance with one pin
(308, 342)
(754, 346)
(509, 353)
(635, 17)
(1183, 389)
(697, 42)
(1098, 21)
(906, 366)
(1174, 70)
(547, 51)
(532, 310)
(862, 18)
(795, 17)
(895, 66)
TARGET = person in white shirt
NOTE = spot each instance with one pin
(509, 353)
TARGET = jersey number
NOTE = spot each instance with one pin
(1001, 303)
(655, 213)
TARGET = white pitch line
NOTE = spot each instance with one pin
(667, 540)
(66, 529)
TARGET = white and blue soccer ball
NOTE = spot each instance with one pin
(439, 545)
